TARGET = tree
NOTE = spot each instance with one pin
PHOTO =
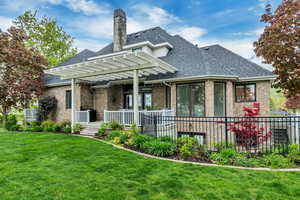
(279, 45)
(247, 130)
(293, 102)
(46, 105)
(47, 37)
(21, 71)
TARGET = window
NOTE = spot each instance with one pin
(245, 92)
(191, 100)
(68, 99)
(145, 101)
(219, 99)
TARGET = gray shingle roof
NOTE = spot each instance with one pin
(186, 57)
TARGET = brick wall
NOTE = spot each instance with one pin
(262, 97)
(159, 97)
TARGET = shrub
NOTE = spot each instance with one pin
(35, 123)
(134, 129)
(77, 128)
(137, 141)
(124, 137)
(36, 129)
(102, 129)
(15, 128)
(10, 122)
(222, 145)
(166, 139)
(187, 146)
(115, 126)
(116, 140)
(159, 148)
(67, 130)
(276, 161)
(225, 157)
(113, 134)
(56, 128)
(65, 123)
(294, 153)
(48, 125)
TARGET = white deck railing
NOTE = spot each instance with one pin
(126, 117)
(82, 116)
(31, 114)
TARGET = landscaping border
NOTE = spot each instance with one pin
(194, 163)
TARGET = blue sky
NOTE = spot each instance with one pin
(232, 23)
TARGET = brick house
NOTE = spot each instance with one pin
(176, 75)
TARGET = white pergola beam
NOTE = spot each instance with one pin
(114, 71)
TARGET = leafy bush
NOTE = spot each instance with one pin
(134, 129)
(166, 139)
(36, 129)
(137, 141)
(56, 128)
(113, 134)
(294, 153)
(115, 126)
(77, 128)
(67, 129)
(222, 145)
(15, 128)
(35, 123)
(102, 129)
(225, 157)
(65, 123)
(48, 125)
(10, 122)
(276, 161)
(187, 146)
(159, 148)
(124, 137)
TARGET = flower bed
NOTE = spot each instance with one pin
(188, 149)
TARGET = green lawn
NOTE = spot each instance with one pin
(57, 166)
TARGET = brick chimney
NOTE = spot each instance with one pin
(119, 29)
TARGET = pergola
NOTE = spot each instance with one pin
(115, 66)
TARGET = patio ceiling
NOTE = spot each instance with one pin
(113, 67)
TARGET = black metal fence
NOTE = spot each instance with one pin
(245, 134)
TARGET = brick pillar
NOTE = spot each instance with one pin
(209, 98)
(229, 99)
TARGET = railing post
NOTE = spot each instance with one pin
(155, 124)
(226, 131)
(105, 117)
(88, 117)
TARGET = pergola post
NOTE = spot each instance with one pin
(73, 93)
(136, 97)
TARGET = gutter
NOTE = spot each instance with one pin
(258, 78)
(192, 78)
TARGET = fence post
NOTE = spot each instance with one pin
(226, 131)
(155, 124)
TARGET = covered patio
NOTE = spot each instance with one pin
(125, 65)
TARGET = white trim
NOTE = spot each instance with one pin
(191, 78)
(109, 55)
(148, 43)
(258, 78)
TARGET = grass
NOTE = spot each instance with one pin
(57, 166)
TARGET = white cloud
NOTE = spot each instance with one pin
(190, 33)
(256, 32)
(224, 13)
(88, 7)
(148, 14)
(94, 45)
(5, 23)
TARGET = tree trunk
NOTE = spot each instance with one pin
(4, 115)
